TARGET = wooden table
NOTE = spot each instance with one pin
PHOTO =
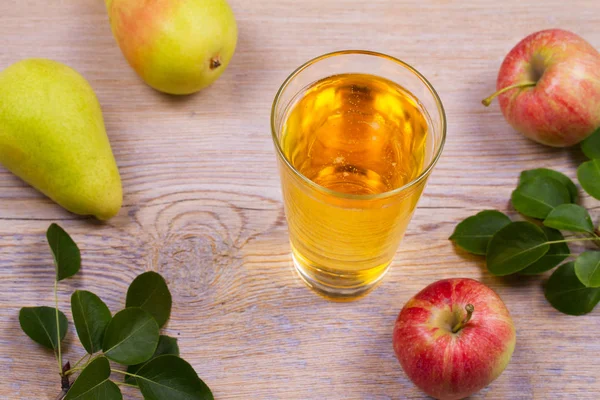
(203, 204)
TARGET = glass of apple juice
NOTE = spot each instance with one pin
(357, 135)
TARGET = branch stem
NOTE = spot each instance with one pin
(84, 366)
(118, 371)
(59, 358)
(73, 370)
(125, 384)
(81, 359)
(64, 379)
(61, 395)
(596, 235)
(573, 240)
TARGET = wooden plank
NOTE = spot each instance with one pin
(203, 207)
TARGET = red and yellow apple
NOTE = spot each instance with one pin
(549, 88)
(454, 338)
(175, 46)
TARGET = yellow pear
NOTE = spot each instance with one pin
(52, 136)
(176, 46)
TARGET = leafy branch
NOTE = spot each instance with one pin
(131, 337)
(548, 198)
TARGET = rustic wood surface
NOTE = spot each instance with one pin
(203, 204)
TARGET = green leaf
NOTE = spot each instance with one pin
(558, 253)
(570, 217)
(170, 377)
(91, 317)
(591, 145)
(39, 323)
(131, 337)
(475, 232)
(67, 258)
(550, 173)
(149, 292)
(587, 268)
(515, 247)
(588, 174)
(166, 345)
(93, 383)
(567, 294)
(538, 196)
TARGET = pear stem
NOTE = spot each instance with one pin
(487, 101)
(461, 324)
(215, 62)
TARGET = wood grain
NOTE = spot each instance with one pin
(203, 207)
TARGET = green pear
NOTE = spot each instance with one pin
(52, 136)
(176, 46)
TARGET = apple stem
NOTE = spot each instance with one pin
(470, 308)
(487, 101)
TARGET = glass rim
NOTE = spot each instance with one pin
(390, 193)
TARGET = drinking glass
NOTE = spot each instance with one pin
(343, 243)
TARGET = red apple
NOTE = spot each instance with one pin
(549, 88)
(454, 338)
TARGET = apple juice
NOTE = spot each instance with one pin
(357, 137)
(356, 134)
